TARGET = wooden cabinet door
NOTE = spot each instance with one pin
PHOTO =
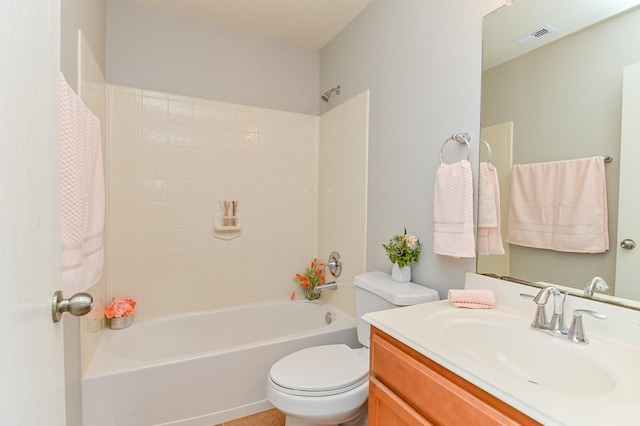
(387, 409)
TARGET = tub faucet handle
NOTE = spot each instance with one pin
(334, 264)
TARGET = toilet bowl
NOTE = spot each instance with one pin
(321, 385)
(329, 384)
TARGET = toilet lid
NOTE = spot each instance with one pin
(320, 370)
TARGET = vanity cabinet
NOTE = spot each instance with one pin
(407, 388)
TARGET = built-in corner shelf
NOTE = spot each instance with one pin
(225, 232)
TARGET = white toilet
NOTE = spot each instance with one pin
(329, 384)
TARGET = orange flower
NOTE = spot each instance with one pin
(313, 276)
(293, 295)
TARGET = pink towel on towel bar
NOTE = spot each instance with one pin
(489, 236)
(560, 205)
(474, 299)
(82, 194)
(453, 211)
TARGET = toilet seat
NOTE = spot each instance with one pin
(320, 371)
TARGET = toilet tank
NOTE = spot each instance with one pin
(376, 291)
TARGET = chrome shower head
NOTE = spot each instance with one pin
(327, 95)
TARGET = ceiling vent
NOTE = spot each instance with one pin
(534, 35)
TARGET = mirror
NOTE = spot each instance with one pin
(556, 97)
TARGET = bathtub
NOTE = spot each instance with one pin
(203, 368)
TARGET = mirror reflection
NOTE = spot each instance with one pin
(557, 95)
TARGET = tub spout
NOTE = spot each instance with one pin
(328, 286)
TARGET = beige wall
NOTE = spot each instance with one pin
(573, 93)
(155, 50)
(421, 62)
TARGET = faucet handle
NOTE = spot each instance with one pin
(540, 319)
(576, 331)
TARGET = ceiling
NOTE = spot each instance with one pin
(306, 23)
(523, 16)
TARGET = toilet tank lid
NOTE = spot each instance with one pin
(401, 294)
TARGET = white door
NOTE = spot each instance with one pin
(627, 283)
(31, 348)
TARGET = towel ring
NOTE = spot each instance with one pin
(460, 138)
(488, 149)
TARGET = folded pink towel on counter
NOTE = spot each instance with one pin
(474, 299)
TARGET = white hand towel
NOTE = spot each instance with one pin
(82, 193)
(489, 235)
(560, 205)
(453, 210)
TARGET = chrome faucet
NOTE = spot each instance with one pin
(596, 283)
(556, 325)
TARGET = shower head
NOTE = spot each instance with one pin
(326, 95)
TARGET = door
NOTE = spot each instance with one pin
(627, 259)
(31, 355)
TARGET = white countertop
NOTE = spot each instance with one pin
(566, 394)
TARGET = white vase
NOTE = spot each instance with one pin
(119, 323)
(401, 275)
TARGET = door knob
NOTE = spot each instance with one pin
(77, 305)
(628, 244)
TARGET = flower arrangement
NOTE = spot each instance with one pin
(120, 307)
(403, 249)
(313, 276)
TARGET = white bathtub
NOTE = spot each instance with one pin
(202, 368)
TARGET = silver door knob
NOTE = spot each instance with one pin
(77, 305)
(628, 244)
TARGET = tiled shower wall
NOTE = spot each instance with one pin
(172, 160)
(342, 194)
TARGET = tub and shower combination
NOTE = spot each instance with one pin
(203, 368)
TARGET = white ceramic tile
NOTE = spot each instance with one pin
(180, 134)
(180, 111)
(154, 109)
(264, 158)
(203, 115)
(155, 132)
(154, 190)
(124, 191)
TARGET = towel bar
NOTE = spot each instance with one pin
(460, 138)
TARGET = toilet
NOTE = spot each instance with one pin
(329, 384)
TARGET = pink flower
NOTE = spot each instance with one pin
(411, 240)
(120, 307)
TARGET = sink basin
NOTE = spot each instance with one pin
(508, 344)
